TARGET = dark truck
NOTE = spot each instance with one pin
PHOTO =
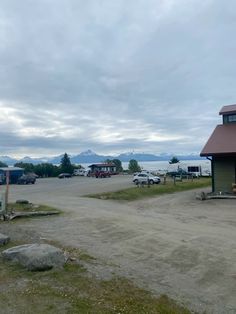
(180, 173)
(26, 179)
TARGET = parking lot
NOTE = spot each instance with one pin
(72, 187)
(172, 244)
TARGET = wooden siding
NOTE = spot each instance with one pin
(224, 173)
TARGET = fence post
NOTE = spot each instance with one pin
(7, 189)
(164, 179)
(2, 204)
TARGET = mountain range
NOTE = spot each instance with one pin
(91, 157)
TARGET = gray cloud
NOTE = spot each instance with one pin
(113, 76)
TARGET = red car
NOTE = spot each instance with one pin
(102, 174)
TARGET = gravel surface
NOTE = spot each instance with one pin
(171, 244)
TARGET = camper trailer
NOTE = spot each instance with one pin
(196, 171)
(180, 168)
(81, 172)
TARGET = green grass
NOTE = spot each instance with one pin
(72, 290)
(135, 192)
(15, 207)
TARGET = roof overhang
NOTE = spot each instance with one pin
(218, 155)
(221, 142)
(231, 109)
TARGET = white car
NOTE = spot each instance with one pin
(144, 178)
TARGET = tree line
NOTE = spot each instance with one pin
(50, 170)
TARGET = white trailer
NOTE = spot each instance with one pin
(81, 172)
(195, 170)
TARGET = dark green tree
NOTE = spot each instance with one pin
(108, 161)
(77, 166)
(29, 167)
(174, 160)
(47, 170)
(2, 164)
(134, 166)
(118, 164)
(66, 165)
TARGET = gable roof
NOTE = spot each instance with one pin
(221, 141)
(10, 168)
(103, 165)
(228, 109)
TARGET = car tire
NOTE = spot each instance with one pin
(151, 182)
(135, 181)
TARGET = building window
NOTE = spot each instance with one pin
(231, 118)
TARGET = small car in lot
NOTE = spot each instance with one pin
(26, 179)
(144, 178)
(64, 175)
(102, 174)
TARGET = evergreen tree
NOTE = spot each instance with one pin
(2, 164)
(174, 160)
(66, 165)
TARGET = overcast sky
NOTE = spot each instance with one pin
(114, 76)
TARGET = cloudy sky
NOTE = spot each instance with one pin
(114, 76)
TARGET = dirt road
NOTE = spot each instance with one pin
(172, 244)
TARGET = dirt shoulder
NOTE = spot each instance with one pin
(172, 244)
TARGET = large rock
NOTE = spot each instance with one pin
(4, 239)
(36, 256)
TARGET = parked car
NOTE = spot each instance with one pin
(146, 178)
(180, 172)
(26, 179)
(102, 174)
(64, 175)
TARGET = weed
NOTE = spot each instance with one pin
(71, 290)
(134, 193)
(18, 207)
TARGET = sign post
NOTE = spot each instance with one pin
(7, 188)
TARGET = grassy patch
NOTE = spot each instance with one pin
(71, 290)
(134, 193)
(16, 207)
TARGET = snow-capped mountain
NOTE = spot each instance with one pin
(8, 160)
(89, 156)
(88, 152)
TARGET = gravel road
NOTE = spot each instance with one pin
(171, 244)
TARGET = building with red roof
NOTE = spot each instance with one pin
(221, 150)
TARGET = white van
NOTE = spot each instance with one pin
(81, 172)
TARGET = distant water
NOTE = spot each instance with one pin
(164, 166)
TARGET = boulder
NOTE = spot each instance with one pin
(36, 256)
(4, 239)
